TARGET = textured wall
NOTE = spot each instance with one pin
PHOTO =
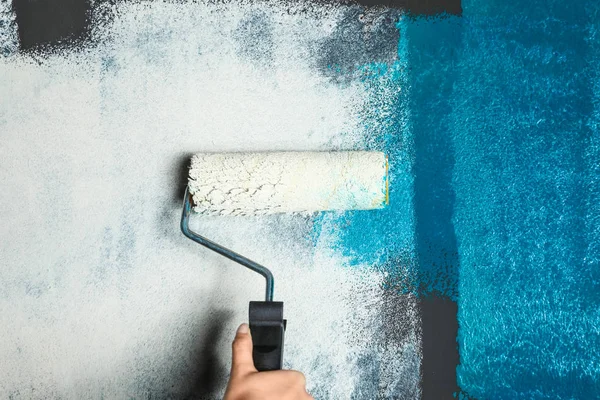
(512, 158)
(100, 293)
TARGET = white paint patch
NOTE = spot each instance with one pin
(100, 293)
(9, 38)
(280, 182)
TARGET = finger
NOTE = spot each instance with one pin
(299, 378)
(242, 362)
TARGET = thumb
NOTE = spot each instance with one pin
(242, 362)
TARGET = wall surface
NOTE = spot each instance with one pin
(481, 278)
(100, 293)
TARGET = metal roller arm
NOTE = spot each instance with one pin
(225, 252)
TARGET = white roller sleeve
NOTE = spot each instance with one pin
(267, 183)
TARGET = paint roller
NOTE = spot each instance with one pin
(250, 184)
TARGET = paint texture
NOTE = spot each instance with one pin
(527, 211)
(100, 293)
(9, 41)
(511, 169)
(282, 182)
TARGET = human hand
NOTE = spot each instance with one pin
(246, 383)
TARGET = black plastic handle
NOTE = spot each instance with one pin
(267, 327)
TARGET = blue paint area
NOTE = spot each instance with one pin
(523, 126)
(504, 111)
(495, 196)
(432, 51)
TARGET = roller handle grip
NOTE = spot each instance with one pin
(267, 327)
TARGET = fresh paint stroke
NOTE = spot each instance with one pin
(101, 292)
